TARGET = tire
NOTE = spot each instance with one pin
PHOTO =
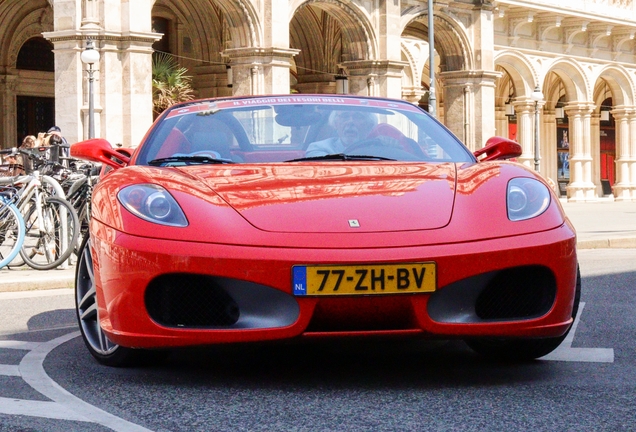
(518, 350)
(100, 347)
(12, 232)
(46, 250)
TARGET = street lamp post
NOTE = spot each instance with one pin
(432, 99)
(89, 57)
(536, 97)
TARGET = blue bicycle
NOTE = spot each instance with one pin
(12, 229)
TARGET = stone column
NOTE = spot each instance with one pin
(501, 122)
(389, 40)
(469, 105)
(525, 131)
(632, 151)
(595, 127)
(123, 85)
(413, 94)
(581, 187)
(548, 144)
(67, 39)
(90, 14)
(8, 84)
(375, 77)
(623, 186)
(260, 70)
(469, 95)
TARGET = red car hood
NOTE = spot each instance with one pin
(337, 198)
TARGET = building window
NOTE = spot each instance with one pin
(161, 25)
(36, 54)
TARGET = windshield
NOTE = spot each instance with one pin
(300, 129)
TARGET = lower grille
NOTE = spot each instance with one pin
(187, 300)
(517, 293)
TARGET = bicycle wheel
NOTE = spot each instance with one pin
(50, 241)
(84, 218)
(12, 232)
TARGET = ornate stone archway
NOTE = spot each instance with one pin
(466, 76)
(20, 22)
(622, 90)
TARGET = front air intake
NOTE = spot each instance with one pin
(187, 300)
(517, 293)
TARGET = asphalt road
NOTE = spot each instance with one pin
(48, 382)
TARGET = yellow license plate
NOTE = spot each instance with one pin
(329, 280)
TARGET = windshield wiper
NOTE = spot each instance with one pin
(188, 160)
(340, 157)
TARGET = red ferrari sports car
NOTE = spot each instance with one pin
(306, 216)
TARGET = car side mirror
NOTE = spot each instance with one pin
(498, 148)
(100, 150)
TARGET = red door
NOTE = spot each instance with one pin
(608, 155)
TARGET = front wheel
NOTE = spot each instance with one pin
(101, 348)
(524, 349)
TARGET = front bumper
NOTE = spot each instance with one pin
(249, 290)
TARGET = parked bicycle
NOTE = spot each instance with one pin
(78, 186)
(52, 225)
(12, 228)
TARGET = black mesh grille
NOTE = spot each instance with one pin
(185, 300)
(517, 293)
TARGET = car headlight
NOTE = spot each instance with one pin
(152, 203)
(526, 198)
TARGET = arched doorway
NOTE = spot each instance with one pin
(34, 113)
(332, 39)
(562, 143)
(607, 140)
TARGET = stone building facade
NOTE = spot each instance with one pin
(490, 56)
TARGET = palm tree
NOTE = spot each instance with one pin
(170, 84)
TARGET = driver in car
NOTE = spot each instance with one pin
(351, 127)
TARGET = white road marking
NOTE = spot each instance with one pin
(9, 370)
(64, 405)
(32, 408)
(18, 345)
(565, 352)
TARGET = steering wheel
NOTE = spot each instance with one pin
(407, 144)
(369, 142)
(378, 147)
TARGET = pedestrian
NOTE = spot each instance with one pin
(28, 142)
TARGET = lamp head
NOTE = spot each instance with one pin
(342, 82)
(536, 95)
(90, 55)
